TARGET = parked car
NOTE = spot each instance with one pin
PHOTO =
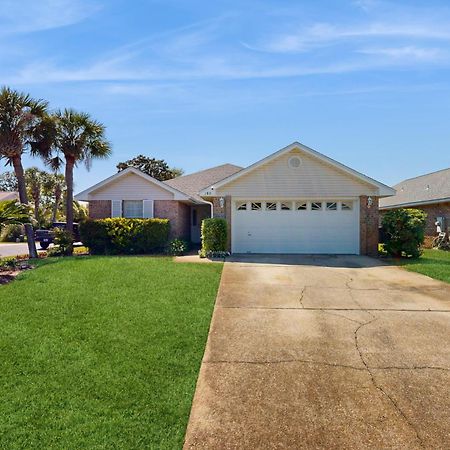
(46, 237)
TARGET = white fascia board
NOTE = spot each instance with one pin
(383, 190)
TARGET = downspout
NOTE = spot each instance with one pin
(212, 207)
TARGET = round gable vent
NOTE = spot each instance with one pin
(294, 162)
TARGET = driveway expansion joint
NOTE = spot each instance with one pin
(377, 386)
(283, 361)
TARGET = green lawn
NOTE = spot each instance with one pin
(102, 352)
(434, 263)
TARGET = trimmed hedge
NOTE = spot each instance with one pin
(125, 236)
(214, 235)
(404, 232)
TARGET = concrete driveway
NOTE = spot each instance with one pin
(324, 352)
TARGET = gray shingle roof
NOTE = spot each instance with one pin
(192, 184)
(8, 196)
(430, 187)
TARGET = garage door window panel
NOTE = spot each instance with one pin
(241, 206)
(316, 206)
(301, 206)
(271, 206)
(256, 206)
(286, 206)
(331, 206)
(347, 206)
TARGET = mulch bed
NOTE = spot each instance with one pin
(7, 277)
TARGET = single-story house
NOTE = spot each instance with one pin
(5, 195)
(296, 200)
(429, 192)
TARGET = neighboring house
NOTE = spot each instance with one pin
(430, 193)
(4, 195)
(294, 201)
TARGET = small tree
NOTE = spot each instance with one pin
(405, 232)
(13, 213)
(156, 168)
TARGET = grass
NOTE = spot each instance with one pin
(434, 263)
(102, 352)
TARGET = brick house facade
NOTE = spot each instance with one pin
(271, 189)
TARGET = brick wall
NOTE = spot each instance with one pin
(224, 213)
(368, 222)
(179, 215)
(99, 209)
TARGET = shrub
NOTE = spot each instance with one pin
(404, 229)
(12, 233)
(7, 264)
(177, 247)
(125, 236)
(214, 235)
(63, 243)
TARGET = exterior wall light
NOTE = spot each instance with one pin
(221, 202)
(369, 202)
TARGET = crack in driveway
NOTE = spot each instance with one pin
(377, 386)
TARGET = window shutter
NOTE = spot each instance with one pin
(116, 208)
(148, 209)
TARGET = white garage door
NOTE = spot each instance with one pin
(300, 226)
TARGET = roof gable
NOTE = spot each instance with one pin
(84, 195)
(381, 189)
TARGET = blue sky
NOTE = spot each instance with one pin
(201, 83)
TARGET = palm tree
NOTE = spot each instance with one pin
(12, 213)
(20, 118)
(34, 178)
(78, 138)
(54, 186)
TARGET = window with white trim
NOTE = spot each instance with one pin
(241, 206)
(347, 206)
(256, 206)
(286, 206)
(316, 206)
(133, 209)
(271, 206)
(331, 206)
(301, 206)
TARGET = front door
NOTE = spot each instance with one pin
(195, 225)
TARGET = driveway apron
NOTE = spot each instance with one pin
(324, 352)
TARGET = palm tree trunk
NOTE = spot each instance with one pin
(18, 170)
(69, 195)
(57, 201)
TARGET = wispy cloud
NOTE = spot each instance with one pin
(408, 53)
(26, 16)
(325, 34)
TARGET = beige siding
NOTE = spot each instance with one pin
(312, 179)
(131, 187)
